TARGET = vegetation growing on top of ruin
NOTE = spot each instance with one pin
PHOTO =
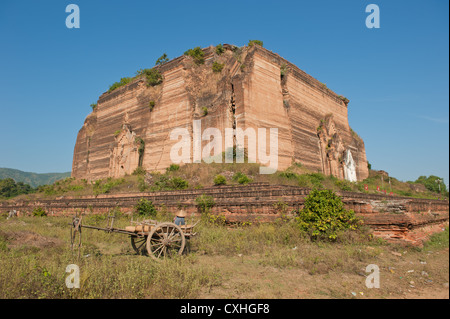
(93, 106)
(162, 59)
(237, 53)
(283, 70)
(253, 42)
(198, 176)
(151, 105)
(197, 55)
(217, 67)
(153, 76)
(344, 99)
(220, 49)
(122, 82)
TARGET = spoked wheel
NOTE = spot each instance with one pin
(139, 244)
(165, 240)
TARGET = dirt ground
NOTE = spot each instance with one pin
(244, 277)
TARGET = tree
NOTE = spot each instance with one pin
(433, 183)
(162, 59)
(9, 188)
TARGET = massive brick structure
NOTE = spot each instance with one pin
(255, 89)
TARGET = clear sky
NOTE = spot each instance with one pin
(396, 77)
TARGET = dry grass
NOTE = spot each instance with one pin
(258, 261)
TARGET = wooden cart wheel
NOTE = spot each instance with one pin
(75, 231)
(165, 240)
(139, 244)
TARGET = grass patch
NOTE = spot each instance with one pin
(437, 241)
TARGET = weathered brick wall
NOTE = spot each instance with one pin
(408, 219)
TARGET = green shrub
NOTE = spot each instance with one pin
(173, 168)
(219, 49)
(139, 171)
(288, 175)
(217, 67)
(39, 212)
(205, 110)
(241, 178)
(115, 85)
(141, 148)
(324, 216)
(162, 59)
(204, 203)
(178, 183)
(94, 106)
(283, 70)
(164, 182)
(151, 105)
(197, 54)
(313, 180)
(253, 42)
(101, 187)
(343, 185)
(220, 180)
(142, 186)
(145, 208)
(153, 76)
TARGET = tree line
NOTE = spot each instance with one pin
(9, 188)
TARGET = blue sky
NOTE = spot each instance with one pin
(396, 77)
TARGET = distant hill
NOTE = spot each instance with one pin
(33, 179)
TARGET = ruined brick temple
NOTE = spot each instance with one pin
(256, 88)
(131, 127)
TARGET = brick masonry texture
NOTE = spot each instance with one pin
(404, 219)
(256, 89)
